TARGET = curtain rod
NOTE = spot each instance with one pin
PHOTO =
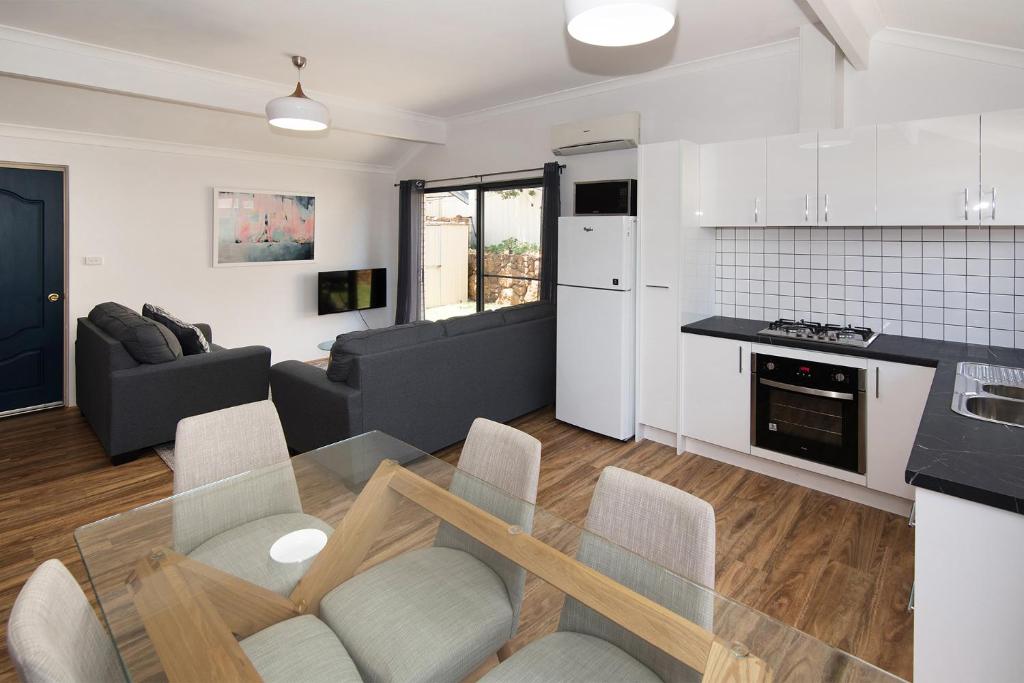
(481, 176)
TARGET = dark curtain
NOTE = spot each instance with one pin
(549, 249)
(409, 304)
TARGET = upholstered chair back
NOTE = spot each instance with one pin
(508, 460)
(642, 533)
(53, 636)
(245, 445)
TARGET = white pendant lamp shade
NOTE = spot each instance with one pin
(298, 112)
(617, 23)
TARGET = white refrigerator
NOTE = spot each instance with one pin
(594, 375)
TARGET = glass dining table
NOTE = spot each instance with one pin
(180, 581)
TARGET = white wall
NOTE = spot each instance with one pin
(910, 78)
(149, 215)
(745, 95)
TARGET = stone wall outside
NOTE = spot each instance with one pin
(502, 290)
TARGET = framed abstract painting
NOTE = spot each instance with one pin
(260, 227)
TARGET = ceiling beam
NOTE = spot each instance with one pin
(28, 54)
(851, 24)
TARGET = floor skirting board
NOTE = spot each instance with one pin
(796, 475)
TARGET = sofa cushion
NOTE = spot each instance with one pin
(146, 340)
(190, 337)
(525, 312)
(468, 324)
(365, 342)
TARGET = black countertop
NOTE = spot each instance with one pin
(953, 454)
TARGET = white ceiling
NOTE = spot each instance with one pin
(999, 22)
(439, 57)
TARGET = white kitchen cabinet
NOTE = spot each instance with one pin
(967, 591)
(896, 395)
(928, 172)
(660, 206)
(792, 180)
(733, 183)
(716, 391)
(847, 176)
(1002, 168)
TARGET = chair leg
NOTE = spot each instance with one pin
(504, 652)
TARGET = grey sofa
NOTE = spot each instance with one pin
(133, 405)
(423, 383)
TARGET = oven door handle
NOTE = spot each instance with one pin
(806, 390)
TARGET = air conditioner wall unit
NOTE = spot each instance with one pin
(597, 135)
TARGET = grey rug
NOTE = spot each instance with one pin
(166, 453)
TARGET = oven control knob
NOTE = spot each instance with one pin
(769, 365)
(840, 377)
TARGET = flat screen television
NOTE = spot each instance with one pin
(352, 290)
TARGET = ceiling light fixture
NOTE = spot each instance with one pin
(298, 112)
(616, 23)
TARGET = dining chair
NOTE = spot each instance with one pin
(438, 613)
(232, 526)
(53, 636)
(636, 529)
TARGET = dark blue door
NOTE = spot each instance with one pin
(31, 289)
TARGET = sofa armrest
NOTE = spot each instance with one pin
(149, 400)
(314, 410)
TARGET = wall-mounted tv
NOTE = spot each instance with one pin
(352, 290)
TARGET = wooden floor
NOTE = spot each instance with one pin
(835, 569)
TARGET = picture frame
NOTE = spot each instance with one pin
(263, 227)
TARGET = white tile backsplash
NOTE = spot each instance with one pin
(957, 284)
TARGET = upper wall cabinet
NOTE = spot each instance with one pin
(792, 180)
(733, 183)
(928, 172)
(846, 176)
(1002, 168)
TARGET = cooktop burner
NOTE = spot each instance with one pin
(821, 332)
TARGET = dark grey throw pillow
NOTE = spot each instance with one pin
(147, 341)
(190, 337)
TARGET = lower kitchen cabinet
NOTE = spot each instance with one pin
(968, 591)
(716, 391)
(896, 394)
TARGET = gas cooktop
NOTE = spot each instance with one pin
(820, 332)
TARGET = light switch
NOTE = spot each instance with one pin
(93, 260)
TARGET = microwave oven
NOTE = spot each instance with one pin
(605, 198)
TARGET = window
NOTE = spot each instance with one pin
(459, 277)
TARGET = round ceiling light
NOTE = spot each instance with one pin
(616, 23)
(298, 112)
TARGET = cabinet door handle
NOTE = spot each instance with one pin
(876, 381)
(757, 208)
(807, 208)
(657, 286)
(965, 203)
(993, 202)
(826, 207)
(740, 349)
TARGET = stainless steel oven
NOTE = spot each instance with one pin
(814, 411)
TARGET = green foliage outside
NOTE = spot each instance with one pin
(512, 245)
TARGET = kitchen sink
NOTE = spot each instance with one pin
(993, 393)
(996, 409)
(1004, 391)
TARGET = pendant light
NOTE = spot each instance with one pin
(298, 112)
(616, 23)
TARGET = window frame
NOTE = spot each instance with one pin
(481, 228)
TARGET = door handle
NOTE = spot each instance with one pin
(757, 207)
(965, 203)
(826, 207)
(657, 286)
(740, 349)
(53, 296)
(876, 381)
(993, 202)
(807, 210)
